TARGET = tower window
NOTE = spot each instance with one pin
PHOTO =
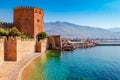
(38, 20)
(39, 12)
(35, 11)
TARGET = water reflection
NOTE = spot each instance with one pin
(38, 69)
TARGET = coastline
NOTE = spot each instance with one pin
(19, 76)
(13, 70)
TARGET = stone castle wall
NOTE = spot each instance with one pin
(54, 42)
(38, 21)
(1, 50)
(13, 48)
(28, 45)
(25, 46)
(51, 43)
(41, 45)
(10, 49)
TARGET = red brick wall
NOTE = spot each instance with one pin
(10, 50)
(28, 21)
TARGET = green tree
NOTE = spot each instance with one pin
(14, 32)
(42, 35)
(3, 32)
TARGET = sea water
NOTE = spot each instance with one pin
(96, 63)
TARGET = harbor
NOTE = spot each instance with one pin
(69, 44)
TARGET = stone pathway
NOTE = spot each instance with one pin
(10, 70)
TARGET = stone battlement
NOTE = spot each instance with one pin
(27, 7)
(7, 25)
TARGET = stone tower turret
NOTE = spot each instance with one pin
(29, 20)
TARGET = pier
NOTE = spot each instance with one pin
(108, 44)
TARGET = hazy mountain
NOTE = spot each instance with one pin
(70, 30)
(116, 29)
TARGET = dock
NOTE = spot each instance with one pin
(108, 44)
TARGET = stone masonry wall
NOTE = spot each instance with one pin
(10, 53)
(58, 41)
(13, 48)
(29, 20)
(41, 45)
(23, 20)
(1, 50)
(51, 43)
(28, 46)
(18, 48)
(38, 21)
(54, 42)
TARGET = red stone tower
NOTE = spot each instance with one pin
(29, 20)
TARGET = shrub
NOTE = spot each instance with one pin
(10, 32)
(3, 32)
(14, 32)
(42, 35)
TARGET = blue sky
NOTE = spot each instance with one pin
(97, 13)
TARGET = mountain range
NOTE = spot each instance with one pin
(69, 30)
(115, 29)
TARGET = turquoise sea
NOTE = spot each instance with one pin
(96, 63)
